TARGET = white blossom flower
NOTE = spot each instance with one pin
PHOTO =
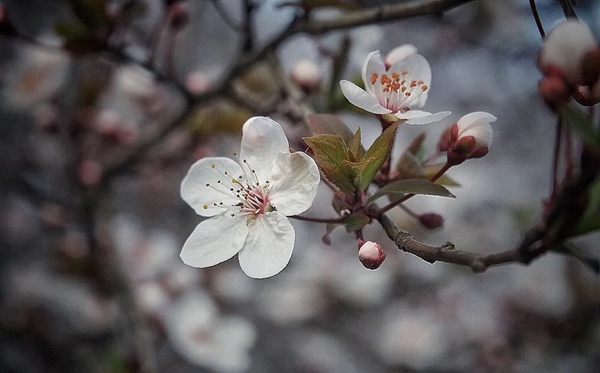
(477, 124)
(395, 90)
(307, 74)
(248, 201)
(565, 48)
(204, 338)
(135, 81)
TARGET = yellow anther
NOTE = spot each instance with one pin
(213, 165)
(424, 88)
(374, 78)
(205, 207)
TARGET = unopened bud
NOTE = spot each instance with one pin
(307, 75)
(565, 48)
(398, 54)
(591, 67)
(446, 139)
(431, 220)
(554, 91)
(197, 82)
(370, 254)
(471, 137)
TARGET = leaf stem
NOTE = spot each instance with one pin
(318, 220)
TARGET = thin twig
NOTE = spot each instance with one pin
(537, 18)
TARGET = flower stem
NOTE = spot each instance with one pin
(537, 18)
(408, 196)
(317, 220)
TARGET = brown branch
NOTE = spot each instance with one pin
(447, 252)
(384, 13)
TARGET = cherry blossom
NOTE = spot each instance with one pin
(203, 337)
(394, 90)
(248, 200)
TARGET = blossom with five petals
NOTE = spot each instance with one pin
(248, 201)
(394, 90)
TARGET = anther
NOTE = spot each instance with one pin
(205, 207)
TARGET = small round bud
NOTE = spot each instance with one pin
(370, 254)
(431, 220)
(554, 91)
(565, 48)
(197, 82)
(307, 75)
(399, 53)
(178, 15)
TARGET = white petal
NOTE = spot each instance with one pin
(262, 141)
(215, 240)
(565, 46)
(477, 124)
(269, 246)
(195, 192)
(399, 53)
(362, 99)
(419, 117)
(373, 64)
(294, 182)
(417, 66)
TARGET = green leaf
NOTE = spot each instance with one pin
(376, 156)
(355, 147)
(329, 124)
(91, 13)
(412, 186)
(580, 124)
(330, 153)
(590, 220)
(356, 221)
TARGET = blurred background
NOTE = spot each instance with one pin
(90, 275)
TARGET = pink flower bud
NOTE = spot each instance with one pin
(307, 75)
(197, 82)
(370, 254)
(399, 53)
(431, 220)
(554, 91)
(471, 137)
(564, 49)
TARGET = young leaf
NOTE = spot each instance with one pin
(355, 147)
(376, 156)
(329, 124)
(330, 153)
(412, 186)
(356, 221)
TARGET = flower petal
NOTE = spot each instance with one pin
(202, 198)
(399, 53)
(417, 67)
(262, 141)
(474, 118)
(373, 64)
(294, 182)
(269, 246)
(215, 240)
(419, 117)
(362, 99)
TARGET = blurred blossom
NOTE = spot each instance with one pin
(543, 287)
(399, 53)
(45, 116)
(307, 75)
(414, 337)
(197, 82)
(135, 81)
(292, 300)
(350, 282)
(151, 297)
(233, 285)
(36, 75)
(203, 337)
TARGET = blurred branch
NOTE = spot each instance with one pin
(537, 18)
(384, 13)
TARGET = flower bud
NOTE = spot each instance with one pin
(564, 49)
(178, 15)
(591, 67)
(471, 137)
(197, 82)
(431, 220)
(307, 75)
(399, 53)
(370, 254)
(446, 139)
(554, 91)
